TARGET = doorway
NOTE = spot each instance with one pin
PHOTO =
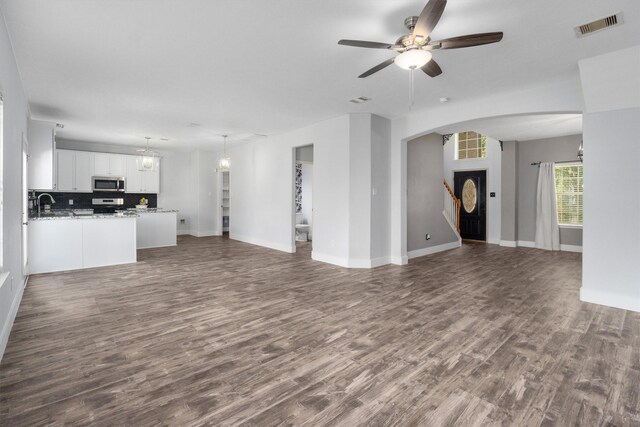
(225, 198)
(470, 187)
(303, 198)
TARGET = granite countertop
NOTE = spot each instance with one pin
(150, 210)
(65, 215)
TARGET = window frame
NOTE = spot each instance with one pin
(569, 165)
(483, 140)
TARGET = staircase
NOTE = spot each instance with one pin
(451, 208)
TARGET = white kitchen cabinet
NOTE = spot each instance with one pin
(156, 229)
(71, 244)
(42, 148)
(73, 171)
(133, 176)
(140, 181)
(55, 245)
(65, 165)
(83, 171)
(106, 164)
(151, 180)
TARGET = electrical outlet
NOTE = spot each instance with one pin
(428, 236)
(182, 220)
(71, 201)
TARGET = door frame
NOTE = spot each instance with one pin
(24, 185)
(488, 195)
(294, 161)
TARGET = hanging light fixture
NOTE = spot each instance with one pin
(225, 162)
(148, 160)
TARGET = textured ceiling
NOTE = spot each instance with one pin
(115, 71)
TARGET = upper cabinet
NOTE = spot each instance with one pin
(140, 181)
(42, 147)
(109, 164)
(74, 170)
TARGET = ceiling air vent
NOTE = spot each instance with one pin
(360, 100)
(599, 24)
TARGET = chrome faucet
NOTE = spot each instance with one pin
(44, 194)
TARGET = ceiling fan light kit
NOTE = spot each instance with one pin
(414, 49)
(412, 59)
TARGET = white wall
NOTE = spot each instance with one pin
(262, 186)
(611, 125)
(203, 194)
(16, 113)
(380, 190)
(493, 165)
(359, 189)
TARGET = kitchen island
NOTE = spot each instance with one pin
(59, 241)
(156, 227)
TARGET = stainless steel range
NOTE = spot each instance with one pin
(107, 205)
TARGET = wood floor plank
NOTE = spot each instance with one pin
(218, 332)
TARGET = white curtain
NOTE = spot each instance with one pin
(547, 231)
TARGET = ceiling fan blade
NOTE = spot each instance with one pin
(429, 17)
(377, 68)
(362, 43)
(467, 41)
(431, 68)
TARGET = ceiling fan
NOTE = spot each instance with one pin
(415, 48)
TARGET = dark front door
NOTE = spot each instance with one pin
(471, 188)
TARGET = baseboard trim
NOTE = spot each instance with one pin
(263, 243)
(508, 243)
(399, 260)
(6, 330)
(528, 244)
(205, 233)
(433, 249)
(377, 262)
(329, 259)
(609, 299)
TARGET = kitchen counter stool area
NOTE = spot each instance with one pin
(60, 243)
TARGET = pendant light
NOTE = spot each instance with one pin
(225, 162)
(148, 160)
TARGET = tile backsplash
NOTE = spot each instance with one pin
(83, 200)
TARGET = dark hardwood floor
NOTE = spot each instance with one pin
(217, 332)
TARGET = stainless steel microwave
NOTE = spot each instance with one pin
(108, 183)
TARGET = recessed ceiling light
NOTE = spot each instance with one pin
(444, 100)
(164, 139)
(194, 125)
(360, 100)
